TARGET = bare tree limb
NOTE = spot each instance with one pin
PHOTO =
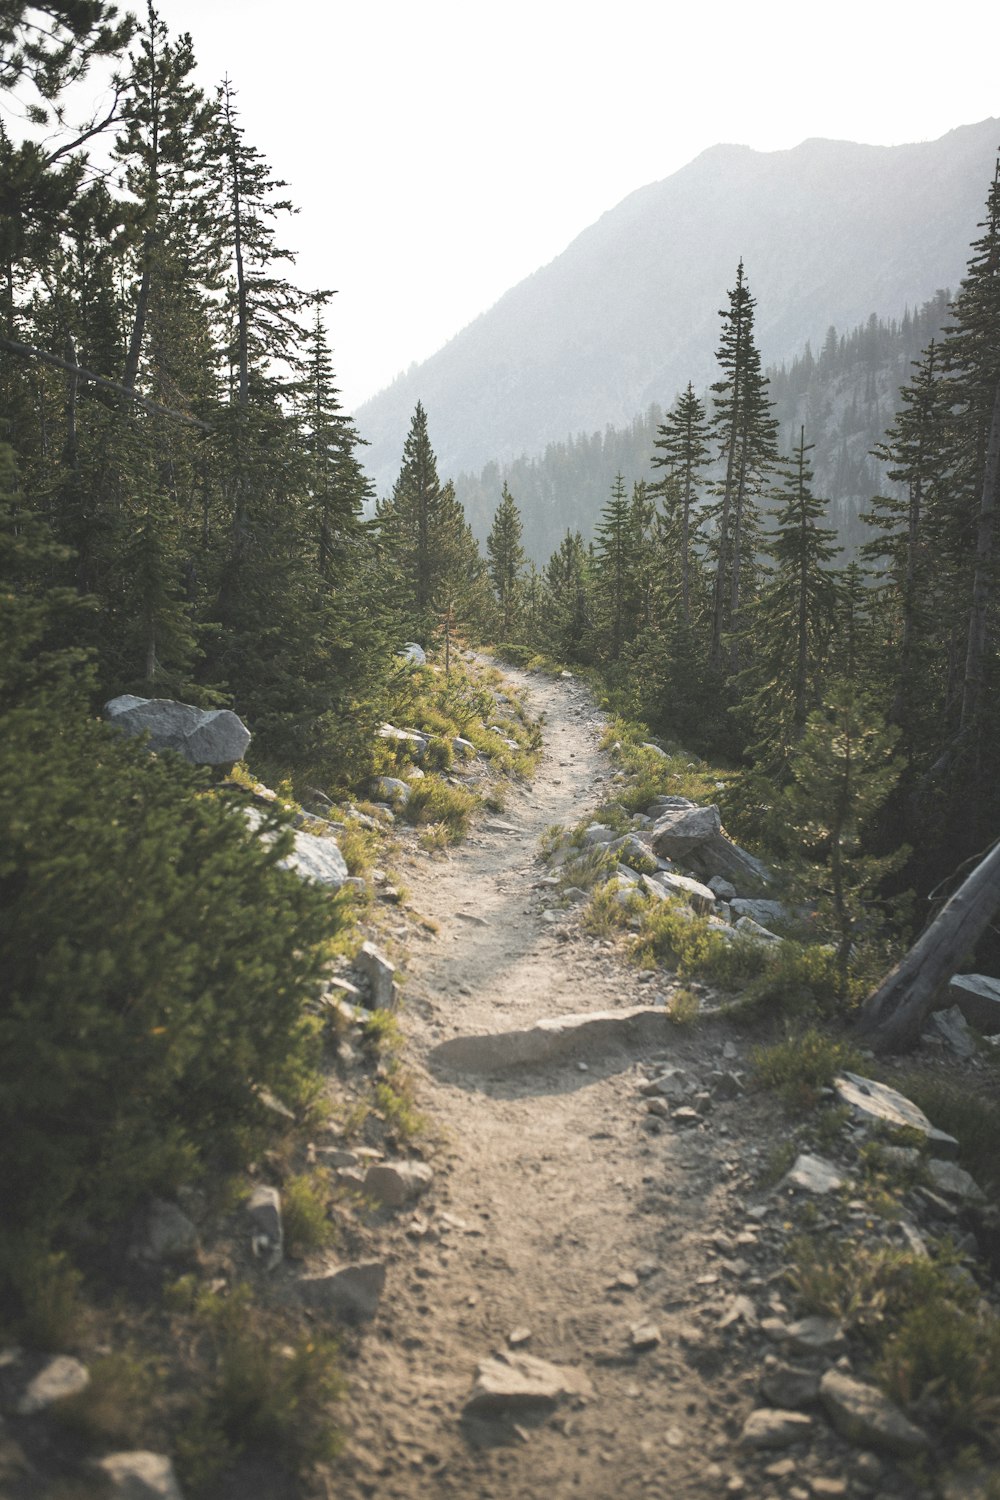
(28, 352)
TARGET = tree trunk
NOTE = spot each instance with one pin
(893, 1016)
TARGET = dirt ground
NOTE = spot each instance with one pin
(563, 1214)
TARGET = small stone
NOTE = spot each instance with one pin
(814, 1335)
(264, 1210)
(644, 1336)
(139, 1476)
(169, 1233)
(371, 962)
(353, 1291)
(59, 1379)
(394, 1183)
(520, 1382)
(786, 1386)
(828, 1488)
(686, 1116)
(519, 1335)
(782, 1469)
(862, 1415)
(812, 1174)
(658, 1107)
(740, 1310)
(770, 1427)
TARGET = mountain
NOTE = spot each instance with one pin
(828, 231)
(845, 396)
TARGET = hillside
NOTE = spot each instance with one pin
(828, 231)
(845, 395)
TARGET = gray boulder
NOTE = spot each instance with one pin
(878, 1104)
(391, 789)
(353, 1291)
(759, 910)
(978, 998)
(680, 830)
(205, 737)
(167, 1234)
(863, 1415)
(412, 652)
(951, 1028)
(718, 855)
(394, 1183)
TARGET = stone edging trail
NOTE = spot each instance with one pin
(574, 1308)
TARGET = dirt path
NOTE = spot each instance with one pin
(552, 1184)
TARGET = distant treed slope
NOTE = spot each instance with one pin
(628, 314)
(846, 396)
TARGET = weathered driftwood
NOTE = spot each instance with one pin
(893, 1016)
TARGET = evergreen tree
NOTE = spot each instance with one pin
(745, 432)
(842, 772)
(506, 560)
(614, 560)
(682, 445)
(426, 543)
(569, 590)
(795, 617)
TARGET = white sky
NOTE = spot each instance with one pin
(442, 150)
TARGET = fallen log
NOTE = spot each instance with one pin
(892, 1018)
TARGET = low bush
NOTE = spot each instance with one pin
(305, 1199)
(435, 801)
(803, 1065)
(965, 1113)
(157, 963)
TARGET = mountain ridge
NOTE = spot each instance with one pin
(628, 312)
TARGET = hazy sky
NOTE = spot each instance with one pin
(441, 150)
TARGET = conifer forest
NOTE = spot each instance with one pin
(185, 514)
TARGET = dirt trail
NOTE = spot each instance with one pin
(551, 1183)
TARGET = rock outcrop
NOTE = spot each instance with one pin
(205, 737)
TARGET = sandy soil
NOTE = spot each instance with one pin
(551, 1184)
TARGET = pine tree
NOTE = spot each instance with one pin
(427, 546)
(506, 560)
(614, 558)
(794, 619)
(745, 432)
(843, 769)
(682, 445)
(569, 590)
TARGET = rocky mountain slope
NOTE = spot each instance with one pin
(829, 232)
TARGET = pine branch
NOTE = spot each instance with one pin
(153, 407)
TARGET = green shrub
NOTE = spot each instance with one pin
(156, 966)
(801, 1066)
(797, 980)
(973, 1120)
(950, 1355)
(305, 1199)
(266, 1392)
(434, 801)
(673, 935)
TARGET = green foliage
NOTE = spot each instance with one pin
(801, 1066)
(39, 1293)
(265, 1394)
(946, 1357)
(305, 1199)
(114, 1409)
(144, 997)
(798, 981)
(671, 934)
(972, 1117)
(434, 801)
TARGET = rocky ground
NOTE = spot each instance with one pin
(572, 1278)
(583, 1215)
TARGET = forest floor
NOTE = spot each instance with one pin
(563, 1217)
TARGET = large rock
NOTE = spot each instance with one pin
(878, 1104)
(205, 737)
(718, 855)
(415, 742)
(978, 998)
(313, 856)
(168, 1233)
(139, 1476)
(392, 789)
(520, 1382)
(353, 1291)
(952, 1029)
(680, 830)
(415, 653)
(553, 1038)
(863, 1415)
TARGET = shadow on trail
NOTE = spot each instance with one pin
(545, 1058)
